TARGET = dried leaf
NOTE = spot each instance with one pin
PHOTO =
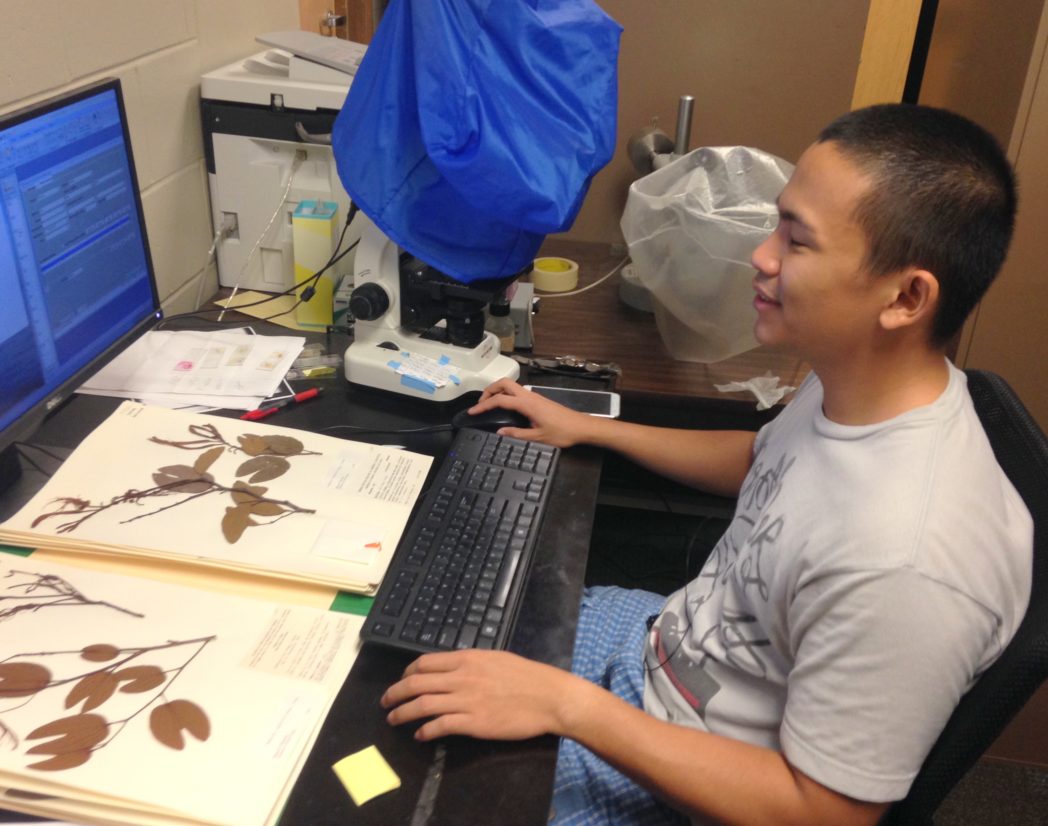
(139, 678)
(170, 720)
(100, 652)
(81, 731)
(22, 679)
(283, 445)
(60, 762)
(252, 445)
(206, 430)
(93, 690)
(183, 479)
(195, 444)
(265, 509)
(245, 494)
(264, 468)
(235, 522)
(207, 458)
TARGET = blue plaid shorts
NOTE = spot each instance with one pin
(609, 646)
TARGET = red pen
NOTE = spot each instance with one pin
(262, 412)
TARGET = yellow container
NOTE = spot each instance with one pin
(313, 232)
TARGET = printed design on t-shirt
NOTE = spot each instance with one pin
(736, 636)
(694, 684)
(763, 525)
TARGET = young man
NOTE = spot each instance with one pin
(878, 560)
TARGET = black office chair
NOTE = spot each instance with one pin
(1022, 451)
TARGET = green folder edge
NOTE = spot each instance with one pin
(344, 602)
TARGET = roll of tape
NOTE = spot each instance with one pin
(555, 275)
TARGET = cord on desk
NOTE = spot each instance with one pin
(334, 259)
(21, 447)
(599, 281)
(300, 156)
(435, 428)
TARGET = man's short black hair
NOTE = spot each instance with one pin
(943, 199)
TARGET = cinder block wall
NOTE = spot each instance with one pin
(158, 49)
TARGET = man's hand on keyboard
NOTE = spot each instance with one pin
(493, 695)
(551, 423)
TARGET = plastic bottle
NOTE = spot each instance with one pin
(500, 323)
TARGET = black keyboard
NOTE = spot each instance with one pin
(459, 571)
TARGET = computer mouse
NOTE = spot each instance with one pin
(490, 420)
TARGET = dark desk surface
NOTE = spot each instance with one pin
(486, 782)
(599, 326)
(482, 782)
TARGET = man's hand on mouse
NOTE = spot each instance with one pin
(551, 423)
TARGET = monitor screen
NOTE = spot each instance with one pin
(76, 274)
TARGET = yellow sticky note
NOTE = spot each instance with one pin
(366, 774)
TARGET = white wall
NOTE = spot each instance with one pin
(158, 49)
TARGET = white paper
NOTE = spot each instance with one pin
(121, 491)
(262, 676)
(199, 364)
(183, 401)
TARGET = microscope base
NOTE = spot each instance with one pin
(438, 372)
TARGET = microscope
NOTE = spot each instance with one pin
(418, 331)
(464, 140)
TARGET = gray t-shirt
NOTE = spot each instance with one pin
(869, 575)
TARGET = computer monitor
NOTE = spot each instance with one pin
(77, 278)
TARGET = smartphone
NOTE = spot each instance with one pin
(594, 402)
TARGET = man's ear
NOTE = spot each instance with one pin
(914, 299)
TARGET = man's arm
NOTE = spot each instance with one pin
(715, 461)
(502, 696)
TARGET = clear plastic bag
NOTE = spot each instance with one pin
(691, 228)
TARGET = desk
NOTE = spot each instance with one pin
(598, 326)
(483, 782)
(487, 782)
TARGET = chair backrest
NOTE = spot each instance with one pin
(1022, 452)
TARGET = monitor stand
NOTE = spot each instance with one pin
(10, 467)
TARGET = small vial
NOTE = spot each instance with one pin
(501, 325)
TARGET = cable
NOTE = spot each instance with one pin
(207, 263)
(599, 281)
(300, 156)
(21, 447)
(436, 428)
(314, 277)
(663, 661)
(334, 259)
(229, 225)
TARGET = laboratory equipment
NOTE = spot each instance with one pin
(416, 330)
(267, 123)
(464, 163)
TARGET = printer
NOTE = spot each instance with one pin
(267, 123)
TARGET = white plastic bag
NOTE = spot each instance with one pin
(691, 228)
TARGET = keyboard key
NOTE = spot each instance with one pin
(509, 567)
(448, 635)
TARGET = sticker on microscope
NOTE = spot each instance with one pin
(424, 368)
